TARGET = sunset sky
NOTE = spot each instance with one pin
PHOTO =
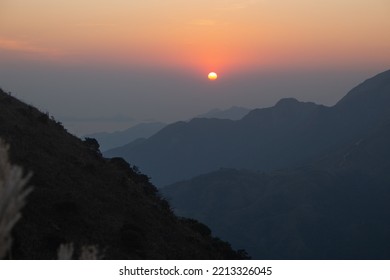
(144, 60)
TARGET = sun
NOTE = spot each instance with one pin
(212, 76)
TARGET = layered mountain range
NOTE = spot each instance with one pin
(285, 135)
(333, 205)
(294, 181)
(144, 130)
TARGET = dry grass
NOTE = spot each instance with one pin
(12, 197)
(66, 251)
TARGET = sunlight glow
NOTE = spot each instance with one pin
(212, 76)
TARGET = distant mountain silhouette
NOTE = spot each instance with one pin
(82, 198)
(233, 113)
(285, 135)
(120, 138)
(336, 207)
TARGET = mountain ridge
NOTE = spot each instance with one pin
(232, 113)
(332, 206)
(335, 207)
(264, 139)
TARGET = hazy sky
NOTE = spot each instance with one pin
(98, 62)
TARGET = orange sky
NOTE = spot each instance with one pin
(201, 35)
(149, 59)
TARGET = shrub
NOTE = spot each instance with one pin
(92, 144)
(44, 118)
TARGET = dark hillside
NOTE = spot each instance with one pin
(81, 197)
(334, 208)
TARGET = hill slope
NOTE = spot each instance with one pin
(81, 197)
(334, 208)
(285, 135)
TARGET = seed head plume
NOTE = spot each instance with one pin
(13, 195)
